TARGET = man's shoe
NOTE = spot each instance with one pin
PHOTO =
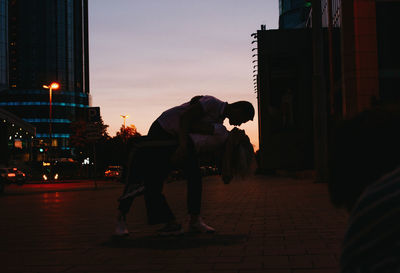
(200, 227)
(171, 230)
(121, 229)
(133, 191)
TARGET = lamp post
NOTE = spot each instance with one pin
(51, 87)
(124, 117)
(124, 131)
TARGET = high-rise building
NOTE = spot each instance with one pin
(47, 42)
(368, 52)
(293, 13)
(284, 92)
(350, 58)
(388, 49)
(3, 44)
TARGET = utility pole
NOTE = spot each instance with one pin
(319, 97)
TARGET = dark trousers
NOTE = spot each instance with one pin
(151, 164)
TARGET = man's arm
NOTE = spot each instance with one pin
(190, 122)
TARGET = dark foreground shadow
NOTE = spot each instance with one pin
(180, 242)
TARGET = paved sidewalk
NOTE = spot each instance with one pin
(266, 224)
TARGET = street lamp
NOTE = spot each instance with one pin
(124, 131)
(51, 87)
(124, 117)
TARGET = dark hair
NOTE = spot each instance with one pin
(195, 99)
(246, 107)
(238, 157)
(363, 149)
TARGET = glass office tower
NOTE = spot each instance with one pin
(293, 14)
(47, 42)
(3, 44)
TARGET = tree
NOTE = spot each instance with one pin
(128, 132)
(80, 141)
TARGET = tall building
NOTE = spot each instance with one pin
(47, 42)
(369, 53)
(388, 49)
(293, 13)
(284, 92)
(3, 44)
(350, 59)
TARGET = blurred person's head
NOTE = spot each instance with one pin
(363, 149)
(238, 158)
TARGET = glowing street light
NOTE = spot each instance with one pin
(124, 117)
(51, 87)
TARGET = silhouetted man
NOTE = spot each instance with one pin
(199, 116)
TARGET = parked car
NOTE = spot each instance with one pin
(49, 175)
(13, 175)
(113, 172)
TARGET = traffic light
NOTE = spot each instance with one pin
(307, 3)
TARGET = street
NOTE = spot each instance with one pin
(59, 186)
(264, 224)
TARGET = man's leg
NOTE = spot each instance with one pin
(133, 177)
(153, 168)
(158, 210)
(194, 185)
(194, 194)
(138, 162)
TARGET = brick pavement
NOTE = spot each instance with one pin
(266, 224)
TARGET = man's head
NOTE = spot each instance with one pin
(239, 112)
(362, 150)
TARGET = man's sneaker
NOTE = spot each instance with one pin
(121, 229)
(171, 230)
(200, 227)
(133, 191)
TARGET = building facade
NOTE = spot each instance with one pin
(284, 91)
(388, 49)
(353, 64)
(3, 44)
(293, 14)
(47, 42)
(369, 57)
(16, 139)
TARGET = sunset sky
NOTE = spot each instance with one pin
(149, 55)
